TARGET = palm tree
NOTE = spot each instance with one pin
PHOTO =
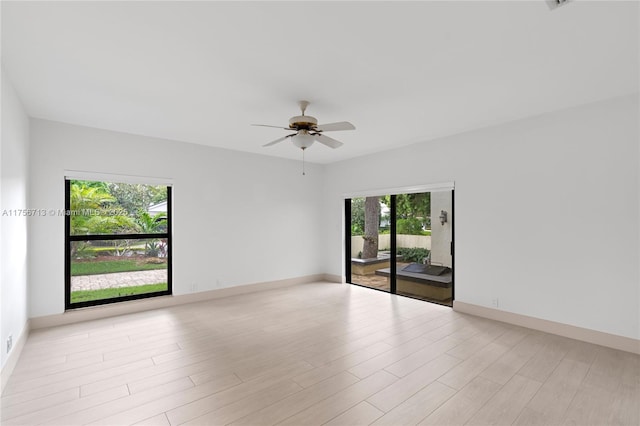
(152, 225)
(88, 203)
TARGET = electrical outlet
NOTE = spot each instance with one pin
(494, 302)
(9, 343)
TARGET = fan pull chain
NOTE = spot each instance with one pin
(303, 173)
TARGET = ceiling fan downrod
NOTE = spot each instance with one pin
(303, 106)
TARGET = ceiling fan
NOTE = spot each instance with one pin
(307, 130)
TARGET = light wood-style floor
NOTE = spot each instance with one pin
(332, 354)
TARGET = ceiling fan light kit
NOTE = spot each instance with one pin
(303, 139)
(308, 131)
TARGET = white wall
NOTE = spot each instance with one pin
(441, 233)
(14, 151)
(551, 201)
(237, 218)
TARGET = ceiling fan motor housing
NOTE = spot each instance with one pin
(303, 122)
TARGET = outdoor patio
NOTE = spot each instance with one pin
(381, 282)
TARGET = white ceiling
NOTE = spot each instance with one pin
(402, 73)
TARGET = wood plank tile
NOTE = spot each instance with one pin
(466, 371)
(625, 409)
(459, 328)
(540, 366)
(422, 356)
(164, 403)
(347, 348)
(590, 406)
(223, 380)
(297, 402)
(245, 406)
(359, 415)
(52, 400)
(377, 363)
(458, 409)
(191, 410)
(611, 368)
(505, 367)
(318, 353)
(51, 414)
(159, 420)
(117, 406)
(549, 405)
(507, 404)
(404, 388)
(512, 336)
(470, 346)
(47, 385)
(418, 406)
(341, 364)
(341, 401)
(144, 373)
(278, 372)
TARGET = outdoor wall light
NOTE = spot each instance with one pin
(443, 217)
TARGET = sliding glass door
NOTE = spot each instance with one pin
(370, 242)
(402, 244)
(424, 243)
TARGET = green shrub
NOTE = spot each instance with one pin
(410, 226)
(356, 230)
(413, 254)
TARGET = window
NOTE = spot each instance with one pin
(118, 242)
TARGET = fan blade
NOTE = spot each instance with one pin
(331, 127)
(275, 127)
(278, 140)
(326, 140)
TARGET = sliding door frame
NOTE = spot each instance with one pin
(445, 187)
(347, 238)
(453, 246)
(393, 267)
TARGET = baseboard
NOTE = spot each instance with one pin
(14, 356)
(333, 278)
(622, 343)
(105, 311)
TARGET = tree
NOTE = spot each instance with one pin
(357, 216)
(136, 197)
(90, 202)
(87, 205)
(151, 225)
(371, 225)
(411, 209)
(411, 226)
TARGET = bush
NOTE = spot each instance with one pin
(411, 226)
(413, 254)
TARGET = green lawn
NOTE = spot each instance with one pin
(109, 293)
(111, 266)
